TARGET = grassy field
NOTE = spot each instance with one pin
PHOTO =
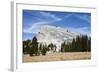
(58, 57)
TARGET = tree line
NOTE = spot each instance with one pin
(33, 48)
(78, 44)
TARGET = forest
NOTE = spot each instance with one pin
(78, 44)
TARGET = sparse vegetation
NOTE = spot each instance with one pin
(58, 57)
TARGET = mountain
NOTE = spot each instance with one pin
(51, 34)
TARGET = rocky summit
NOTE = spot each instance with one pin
(56, 35)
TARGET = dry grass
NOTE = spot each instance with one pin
(58, 57)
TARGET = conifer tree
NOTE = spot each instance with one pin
(34, 49)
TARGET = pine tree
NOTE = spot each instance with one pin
(34, 49)
(51, 46)
(44, 50)
(78, 44)
(73, 45)
(62, 47)
(89, 44)
(26, 46)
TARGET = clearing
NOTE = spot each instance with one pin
(58, 57)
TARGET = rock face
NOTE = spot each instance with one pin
(56, 35)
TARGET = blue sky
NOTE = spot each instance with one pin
(74, 21)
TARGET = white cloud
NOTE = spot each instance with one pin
(35, 27)
(81, 30)
(84, 30)
(49, 15)
(84, 17)
(68, 15)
